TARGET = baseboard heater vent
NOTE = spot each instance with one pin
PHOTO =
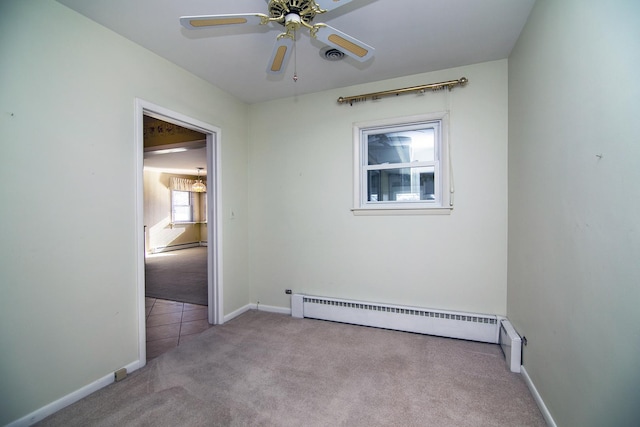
(160, 249)
(451, 324)
(511, 345)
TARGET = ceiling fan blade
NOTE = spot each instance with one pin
(205, 21)
(343, 42)
(331, 4)
(280, 55)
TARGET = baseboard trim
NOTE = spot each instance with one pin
(256, 306)
(534, 391)
(271, 309)
(53, 407)
(236, 313)
(160, 249)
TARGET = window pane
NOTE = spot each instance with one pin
(403, 184)
(182, 208)
(401, 147)
(181, 198)
(182, 213)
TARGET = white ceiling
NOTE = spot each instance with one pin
(183, 163)
(410, 37)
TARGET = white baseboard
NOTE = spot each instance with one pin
(160, 249)
(256, 306)
(271, 309)
(237, 313)
(534, 391)
(53, 407)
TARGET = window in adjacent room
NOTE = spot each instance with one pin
(181, 206)
(402, 164)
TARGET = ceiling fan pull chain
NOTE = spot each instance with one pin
(295, 58)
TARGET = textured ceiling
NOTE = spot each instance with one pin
(410, 37)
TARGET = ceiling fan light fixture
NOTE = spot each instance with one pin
(305, 9)
(292, 20)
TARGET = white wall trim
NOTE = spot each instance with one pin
(271, 308)
(237, 312)
(53, 407)
(139, 228)
(259, 307)
(534, 391)
(160, 249)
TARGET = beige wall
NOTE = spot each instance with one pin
(304, 236)
(68, 300)
(160, 231)
(574, 208)
(68, 311)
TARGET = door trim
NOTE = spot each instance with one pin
(214, 202)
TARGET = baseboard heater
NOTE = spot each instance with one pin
(451, 324)
(160, 249)
(511, 345)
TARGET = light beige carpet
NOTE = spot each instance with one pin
(268, 369)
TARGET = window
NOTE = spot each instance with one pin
(402, 164)
(181, 206)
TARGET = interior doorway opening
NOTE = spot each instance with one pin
(176, 243)
(173, 153)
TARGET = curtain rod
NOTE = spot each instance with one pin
(421, 89)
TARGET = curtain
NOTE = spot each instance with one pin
(181, 184)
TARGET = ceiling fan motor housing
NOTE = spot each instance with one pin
(305, 9)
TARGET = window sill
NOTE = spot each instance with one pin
(405, 211)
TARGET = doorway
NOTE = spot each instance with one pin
(206, 216)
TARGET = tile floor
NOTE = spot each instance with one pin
(170, 323)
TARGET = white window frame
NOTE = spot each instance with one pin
(441, 164)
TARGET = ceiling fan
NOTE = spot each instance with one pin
(291, 14)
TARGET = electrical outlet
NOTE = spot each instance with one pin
(287, 291)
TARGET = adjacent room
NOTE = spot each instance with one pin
(175, 234)
(414, 212)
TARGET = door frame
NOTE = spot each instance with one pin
(214, 221)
